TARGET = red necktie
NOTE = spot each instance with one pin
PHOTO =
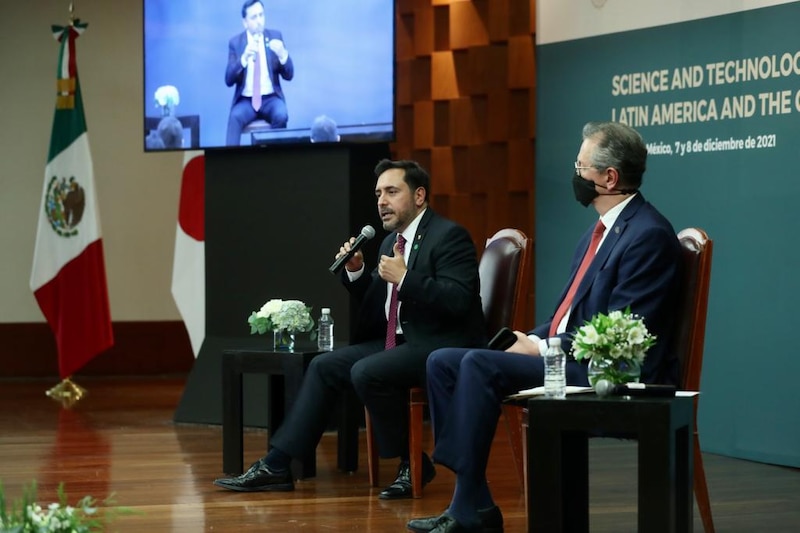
(391, 322)
(256, 100)
(597, 234)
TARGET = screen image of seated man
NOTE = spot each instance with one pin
(629, 258)
(257, 60)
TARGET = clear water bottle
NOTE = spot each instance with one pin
(325, 332)
(555, 377)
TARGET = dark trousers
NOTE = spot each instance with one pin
(380, 378)
(273, 110)
(466, 388)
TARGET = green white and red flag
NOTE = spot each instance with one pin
(68, 277)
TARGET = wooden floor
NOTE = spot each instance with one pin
(121, 439)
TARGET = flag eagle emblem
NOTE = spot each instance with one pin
(64, 205)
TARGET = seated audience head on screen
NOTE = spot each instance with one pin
(153, 141)
(323, 130)
(170, 130)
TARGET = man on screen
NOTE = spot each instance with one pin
(257, 59)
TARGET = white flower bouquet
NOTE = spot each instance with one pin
(618, 335)
(277, 315)
(167, 98)
(27, 516)
(615, 345)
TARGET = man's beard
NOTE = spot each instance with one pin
(398, 220)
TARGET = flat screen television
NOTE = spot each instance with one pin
(341, 54)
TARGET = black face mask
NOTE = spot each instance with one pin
(584, 190)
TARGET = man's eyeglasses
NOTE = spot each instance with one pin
(578, 169)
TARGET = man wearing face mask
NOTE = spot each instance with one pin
(629, 258)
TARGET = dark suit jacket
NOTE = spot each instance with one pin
(440, 295)
(637, 265)
(235, 73)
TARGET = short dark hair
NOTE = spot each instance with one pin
(415, 176)
(247, 5)
(170, 130)
(153, 141)
(323, 130)
(621, 147)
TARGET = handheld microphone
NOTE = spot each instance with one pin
(367, 232)
(603, 387)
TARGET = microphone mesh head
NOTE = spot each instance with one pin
(368, 231)
(603, 387)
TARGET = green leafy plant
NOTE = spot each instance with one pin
(27, 516)
(618, 335)
(276, 315)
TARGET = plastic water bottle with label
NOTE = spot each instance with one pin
(325, 332)
(555, 378)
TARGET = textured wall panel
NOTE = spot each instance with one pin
(468, 27)
(467, 112)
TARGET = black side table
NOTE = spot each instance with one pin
(558, 462)
(291, 367)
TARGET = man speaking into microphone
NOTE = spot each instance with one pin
(257, 60)
(423, 294)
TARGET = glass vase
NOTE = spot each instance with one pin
(283, 340)
(616, 371)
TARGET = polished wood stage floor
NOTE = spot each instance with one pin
(121, 439)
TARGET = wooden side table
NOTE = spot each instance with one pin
(558, 462)
(290, 367)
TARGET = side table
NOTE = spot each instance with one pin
(558, 461)
(291, 367)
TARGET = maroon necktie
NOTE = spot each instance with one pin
(391, 323)
(597, 234)
(256, 100)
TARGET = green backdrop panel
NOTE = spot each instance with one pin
(718, 102)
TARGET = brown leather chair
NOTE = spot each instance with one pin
(505, 273)
(691, 333)
(689, 340)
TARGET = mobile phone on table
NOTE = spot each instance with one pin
(504, 339)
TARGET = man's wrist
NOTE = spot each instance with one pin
(400, 283)
(541, 343)
(352, 276)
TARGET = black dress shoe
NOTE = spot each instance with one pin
(447, 524)
(401, 488)
(491, 521)
(258, 478)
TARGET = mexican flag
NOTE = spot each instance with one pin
(189, 262)
(68, 276)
